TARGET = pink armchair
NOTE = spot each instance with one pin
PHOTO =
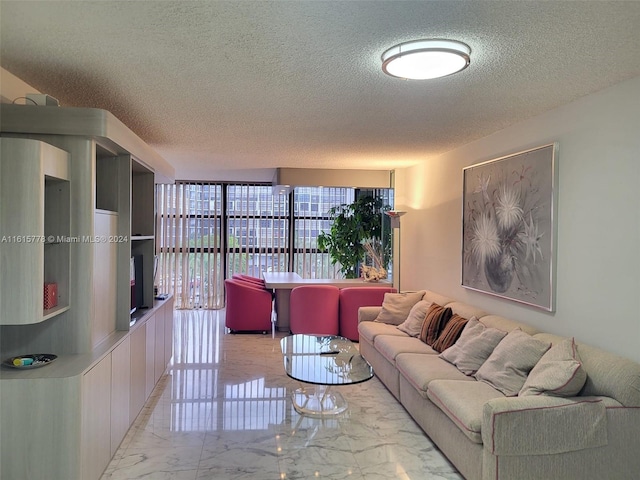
(249, 278)
(313, 309)
(248, 307)
(351, 299)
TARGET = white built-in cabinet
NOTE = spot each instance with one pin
(76, 202)
(105, 275)
(150, 359)
(138, 383)
(96, 419)
(120, 393)
(34, 180)
(115, 390)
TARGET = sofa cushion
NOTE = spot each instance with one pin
(463, 403)
(608, 374)
(368, 314)
(559, 372)
(396, 306)
(370, 330)
(450, 333)
(437, 317)
(474, 346)
(413, 324)
(420, 370)
(506, 324)
(434, 297)
(390, 346)
(507, 367)
(465, 310)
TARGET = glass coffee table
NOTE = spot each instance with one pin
(322, 362)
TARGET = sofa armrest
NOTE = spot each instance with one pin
(368, 314)
(542, 425)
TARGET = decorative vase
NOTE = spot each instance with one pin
(499, 272)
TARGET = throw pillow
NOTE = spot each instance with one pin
(437, 317)
(474, 346)
(559, 372)
(413, 324)
(450, 333)
(507, 367)
(396, 306)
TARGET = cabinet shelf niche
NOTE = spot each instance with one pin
(143, 227)
(57, 241)
(35, 176)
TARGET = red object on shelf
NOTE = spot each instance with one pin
(50, 295)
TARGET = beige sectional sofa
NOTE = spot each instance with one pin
(487, 435)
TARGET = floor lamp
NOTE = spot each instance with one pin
(395, 215)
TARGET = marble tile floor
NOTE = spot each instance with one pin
(223, 411)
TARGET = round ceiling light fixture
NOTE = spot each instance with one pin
(426, 59)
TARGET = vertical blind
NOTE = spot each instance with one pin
(206, 232)
(258, 230)
(188, 233)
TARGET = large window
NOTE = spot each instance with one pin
(311, 206)
(257, 230)
(206, 232)
(188, 242)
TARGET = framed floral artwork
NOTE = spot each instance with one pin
(508, 226)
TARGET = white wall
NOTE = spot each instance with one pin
(11, 87)
(598, 249)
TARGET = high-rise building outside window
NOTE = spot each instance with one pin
(206, 232)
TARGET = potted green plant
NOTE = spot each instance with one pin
(355, 226)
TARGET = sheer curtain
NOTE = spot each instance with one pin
(206, 232)
(188, 244)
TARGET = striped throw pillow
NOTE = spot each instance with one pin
(450, 333)
(435, 320)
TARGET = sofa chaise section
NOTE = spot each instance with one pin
(490, 436)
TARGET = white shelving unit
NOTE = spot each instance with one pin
(34, 222)
(83, 183)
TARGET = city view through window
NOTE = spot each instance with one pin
(207, 232)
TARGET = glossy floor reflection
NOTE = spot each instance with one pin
(224, 411)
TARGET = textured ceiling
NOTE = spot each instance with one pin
(215, 85)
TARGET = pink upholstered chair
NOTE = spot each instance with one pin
(248, 307)
(249, 278)
(313, 309)
(351, 299)
(253, 281)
